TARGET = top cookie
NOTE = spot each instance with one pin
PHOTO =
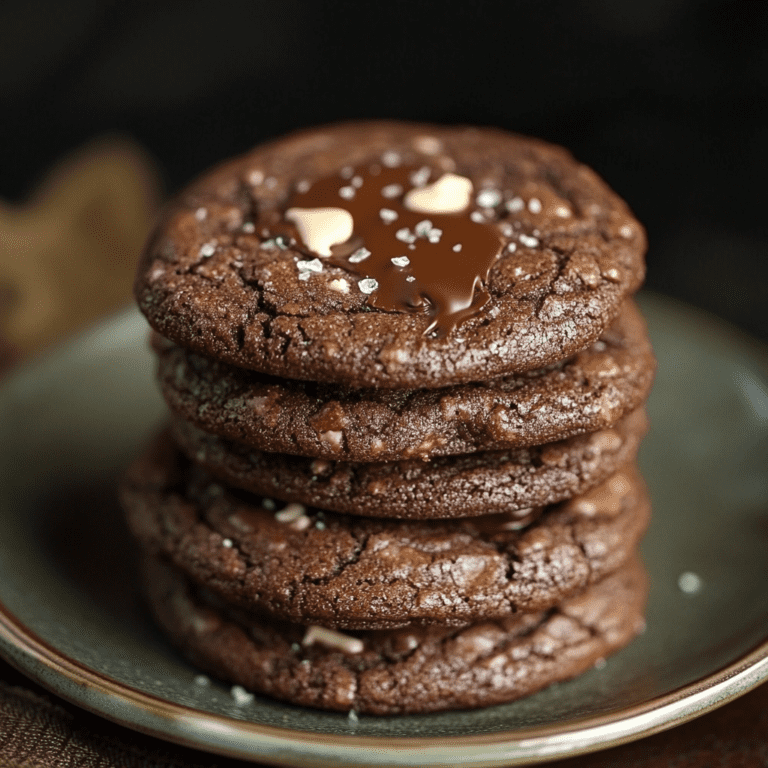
(392, 255)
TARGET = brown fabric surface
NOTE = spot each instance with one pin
(38, 730)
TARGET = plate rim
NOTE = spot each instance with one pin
(530, 745)
(232, 737)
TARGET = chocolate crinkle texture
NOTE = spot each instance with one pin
(591, 390)
(217, 280)
(353, 572)
(409, 670)
(487, 482)
(407, 379)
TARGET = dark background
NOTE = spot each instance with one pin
(665, 98)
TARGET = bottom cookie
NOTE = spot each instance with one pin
(408, 670)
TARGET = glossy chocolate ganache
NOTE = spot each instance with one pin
(407, 233)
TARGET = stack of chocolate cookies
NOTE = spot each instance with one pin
(407, 381)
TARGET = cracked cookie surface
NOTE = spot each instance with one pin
(216, 279)
(409, 670)
(309, 566)
(592, 390)
(487, 482)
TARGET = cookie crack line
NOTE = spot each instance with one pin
(563, 206)
(369, 574)
(385, 677)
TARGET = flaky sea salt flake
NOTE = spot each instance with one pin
(401, 261)
(359, 255)
(241, 696)
(421, 177)
(488, 198)
(528, 241)
(392, 190)
(314, 265)
(387, 215)
(423, 228)
(689, 582)
(368, 285)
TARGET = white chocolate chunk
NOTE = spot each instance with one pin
(332, 639)
(315, 265)
(449, 194)
(300, 523)
(320, 228)
(290, 513)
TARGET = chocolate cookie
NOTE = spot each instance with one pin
(408, 670)
(590, 391)
(447, 486)
(392, 255)
(309, 566)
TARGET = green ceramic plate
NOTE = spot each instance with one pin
(70, 617)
